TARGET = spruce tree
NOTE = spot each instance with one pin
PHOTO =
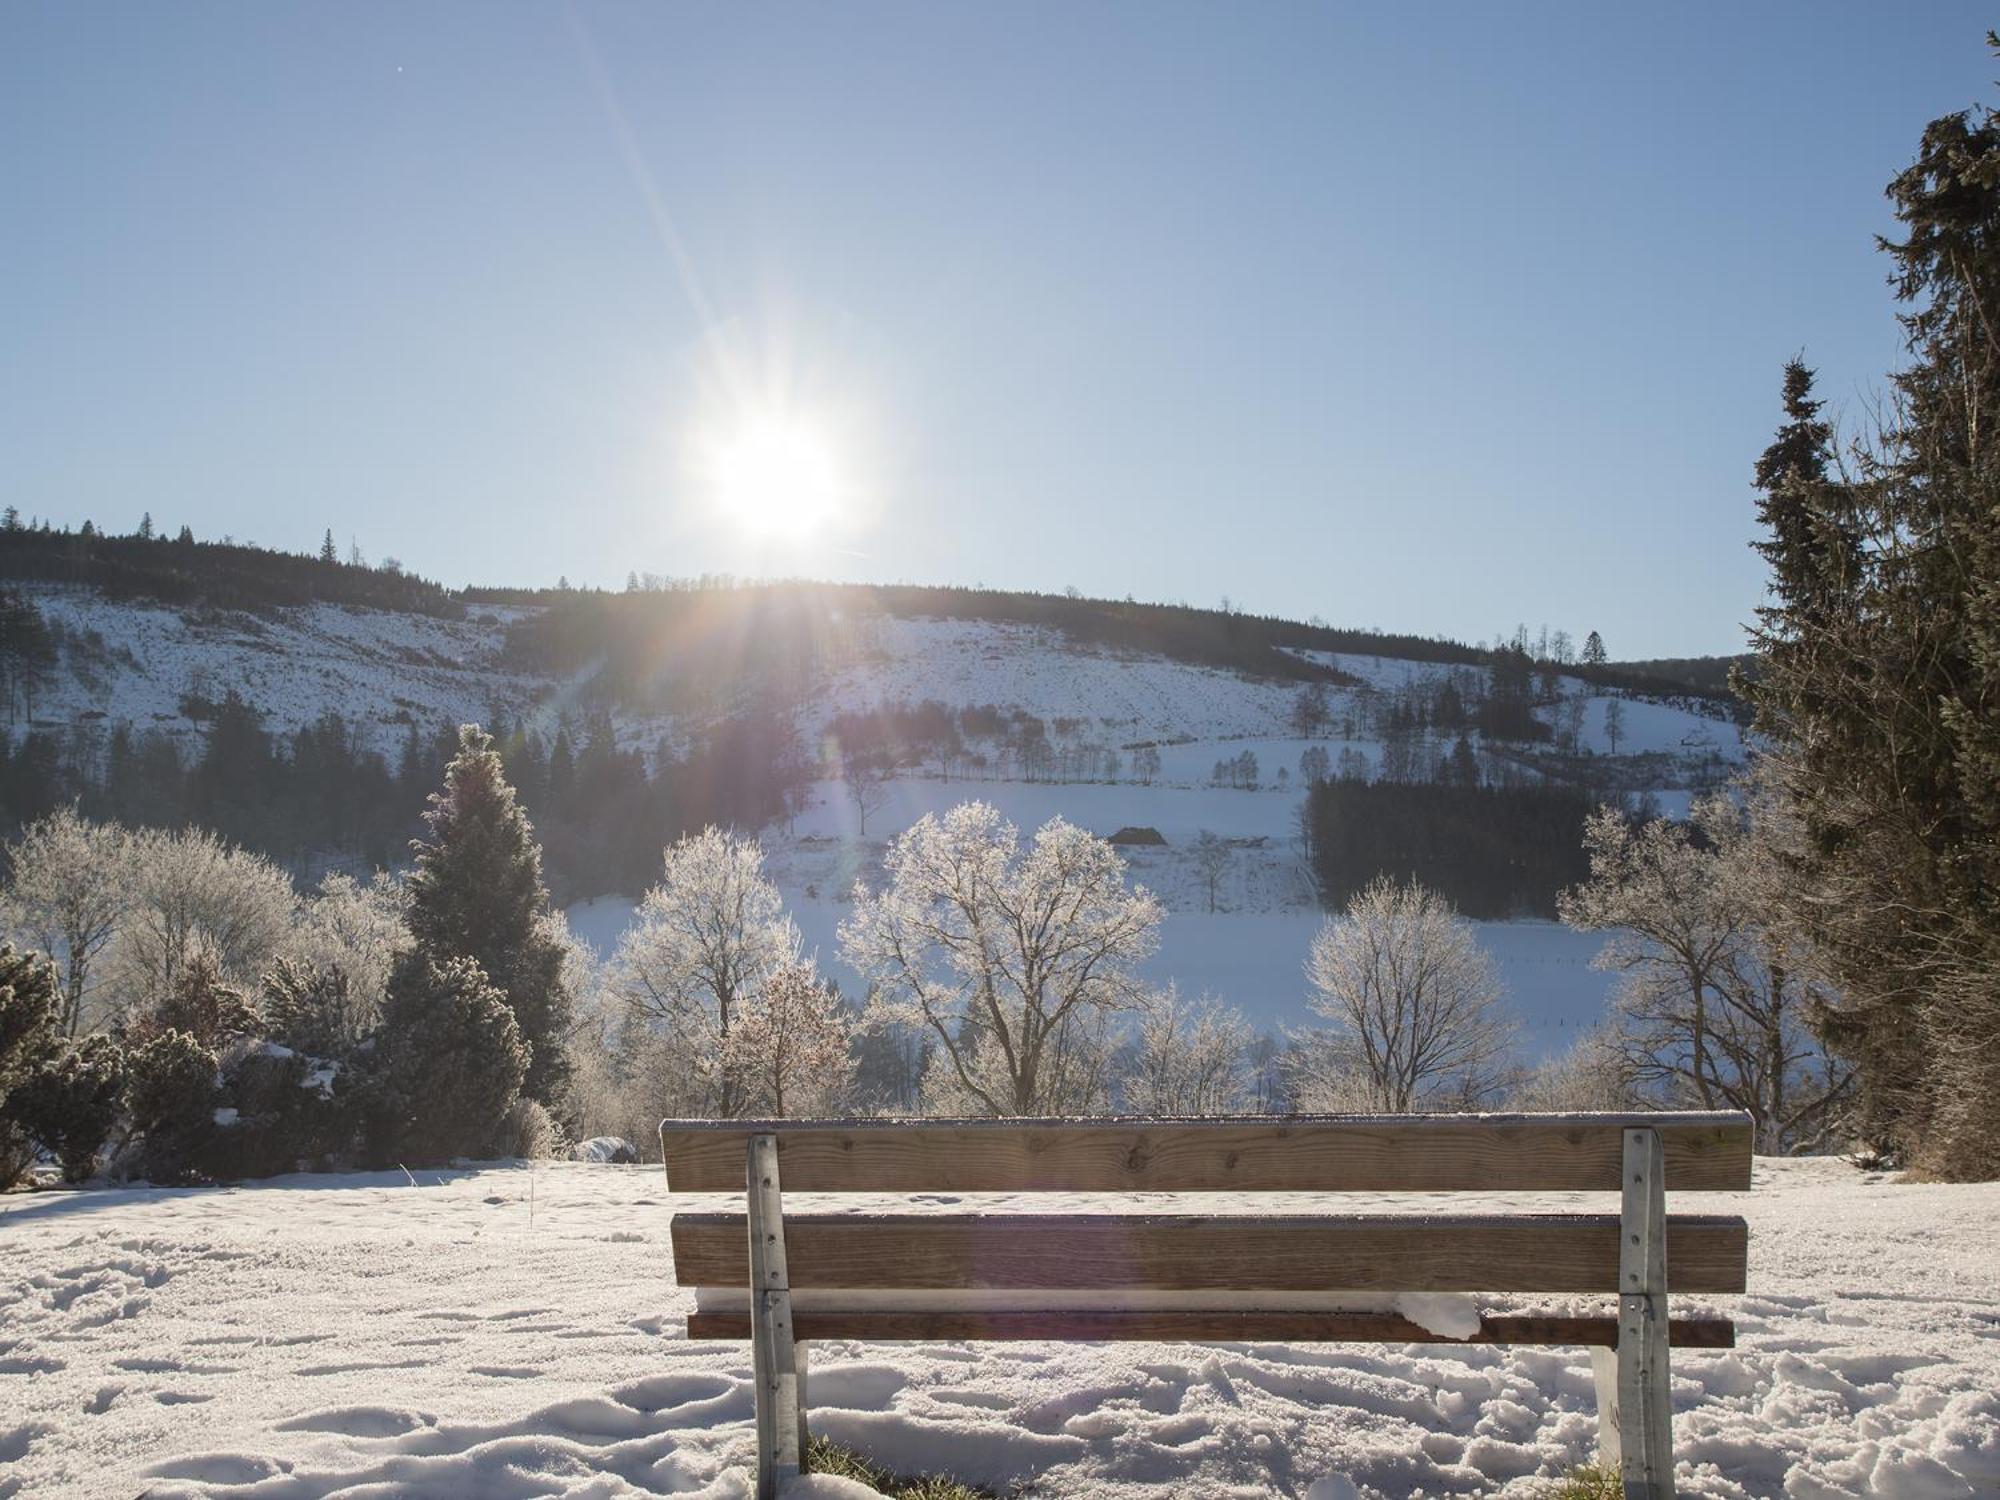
(328, 553)
(477, 894)
(1879, 676)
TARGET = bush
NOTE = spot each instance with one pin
(311, 1009)
(449, 1062)
(171, 1098)
(200, 1005)
(287, 1115)
(70, 1106)
(28, 1044)
(530, 1132)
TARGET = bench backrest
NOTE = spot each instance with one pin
(1480, 1251)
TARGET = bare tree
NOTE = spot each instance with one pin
(866, 779)
(70, 887)
(701, 947)
(1191, 1057)
(790, 1051)
(1212, 859)
(1010, 958)
(1614, 723)
(1716, 997)
(1414, 1001)
(1595, 1073)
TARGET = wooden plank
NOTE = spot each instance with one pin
(1295, 1153)
(873, 1325)
(1188, 1252)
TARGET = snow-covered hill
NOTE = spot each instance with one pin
(154, 668)
(514, 1331)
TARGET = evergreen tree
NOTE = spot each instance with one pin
(452, 1063)
(1879, 673)
(1593, 650)
(328, 553)
(476, 893)
(146, 527)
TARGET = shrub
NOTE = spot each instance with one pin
(28, 1043)
(530, 1132)
(69, 1107)
(198, 1004)
(287, 1116)
(449, 1061)
(311, 1009)
(171, 1098)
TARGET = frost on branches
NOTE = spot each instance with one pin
(1011, 959)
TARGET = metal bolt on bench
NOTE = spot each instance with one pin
(1144, 1276)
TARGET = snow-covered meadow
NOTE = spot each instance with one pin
(513, 1331)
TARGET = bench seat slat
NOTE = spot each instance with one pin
(1291, 1153)
(1415, 1253)
(1231, 1327)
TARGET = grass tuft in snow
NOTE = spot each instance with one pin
(1591, 1482)
(824, 1457)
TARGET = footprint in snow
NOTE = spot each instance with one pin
(358, 1421)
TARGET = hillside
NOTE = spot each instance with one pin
(766, 707)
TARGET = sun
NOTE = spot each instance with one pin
(776, 476)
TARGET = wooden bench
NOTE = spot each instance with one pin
(1266, 1278)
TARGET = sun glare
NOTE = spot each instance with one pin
(776, 477)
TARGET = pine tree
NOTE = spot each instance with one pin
(477, 894)
(1593, 650)
(328, 553)
(452, 1063)
(146, 527)
(1879, 675)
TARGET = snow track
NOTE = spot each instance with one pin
(513, 1333)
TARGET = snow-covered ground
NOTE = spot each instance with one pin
(513, 1332)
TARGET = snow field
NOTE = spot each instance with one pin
(510, 1331)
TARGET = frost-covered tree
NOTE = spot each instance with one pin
(193, 894)
(702, 946)
(343, 945)
(1716, 998)
(1594, 654)
(1011, 958)
(477, 893)
(1594, 1073)
(1189, 1057)
(789, 1052)
(69, 883)
(1414, 1001)
(1146, 764)
(1315, 764)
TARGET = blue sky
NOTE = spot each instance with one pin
(1430, 318)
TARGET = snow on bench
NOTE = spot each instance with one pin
(1114, 1269)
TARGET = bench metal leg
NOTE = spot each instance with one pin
(778, 1370)
(1604, 1373)
(1643, 1416)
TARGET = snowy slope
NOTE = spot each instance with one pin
(386, 670)
(378, 668)
(508, 1332)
